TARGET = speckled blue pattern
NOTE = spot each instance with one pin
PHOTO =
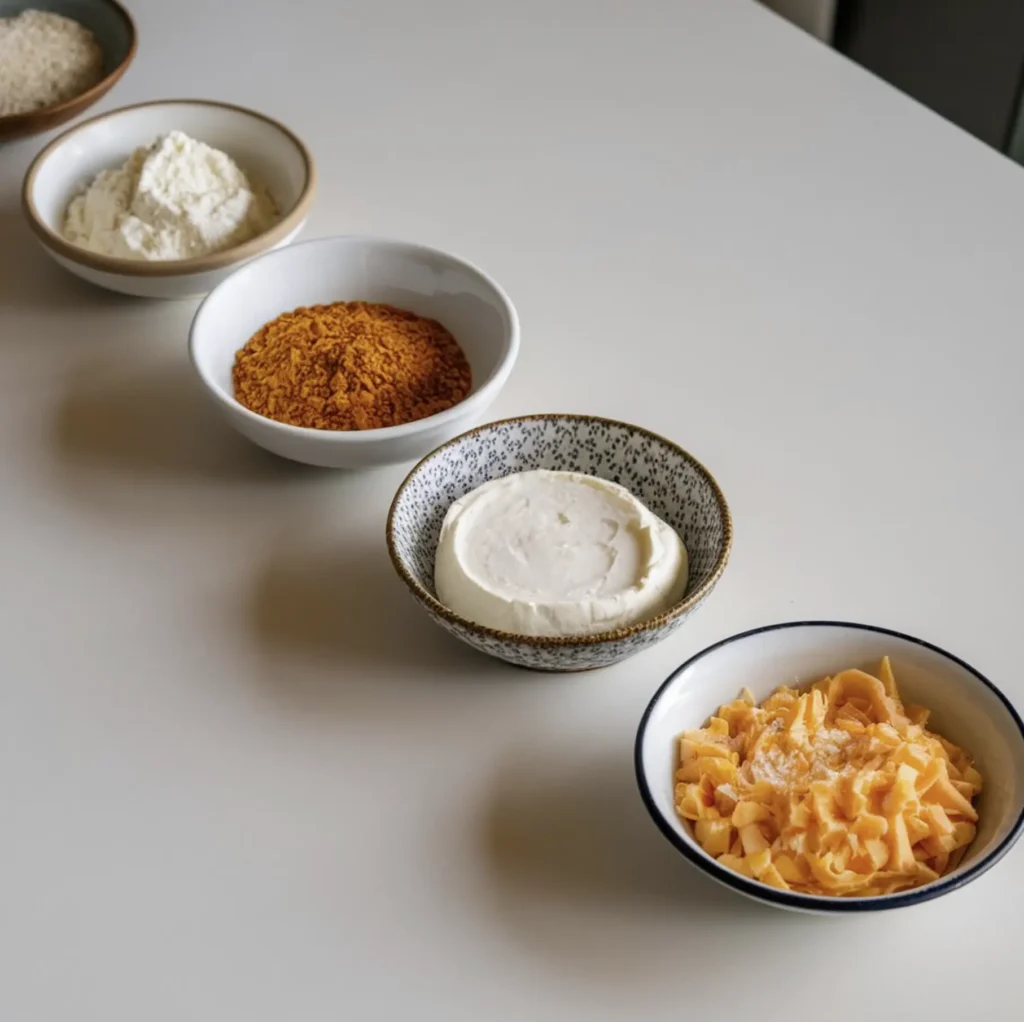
(666, 479)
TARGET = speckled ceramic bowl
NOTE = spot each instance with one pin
(669, 481)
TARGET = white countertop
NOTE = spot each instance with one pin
(244, 777)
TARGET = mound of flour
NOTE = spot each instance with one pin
(174, 199)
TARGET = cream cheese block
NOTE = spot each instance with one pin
(557, 554)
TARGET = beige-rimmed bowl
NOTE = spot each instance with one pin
(671, 482)
(261, 146)
(115, 33)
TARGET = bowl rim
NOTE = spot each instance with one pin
(475, 399)
(796, 899)
(18, 122)
(275, 234)
(688, 602)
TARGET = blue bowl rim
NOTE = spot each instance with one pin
(794, 899)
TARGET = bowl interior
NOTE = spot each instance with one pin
(965, 709)
(112, 31)
(259, 146)
(670, 482)
(424, 281)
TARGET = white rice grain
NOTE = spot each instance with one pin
(45, 59)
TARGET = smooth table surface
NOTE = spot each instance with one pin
(244, 777)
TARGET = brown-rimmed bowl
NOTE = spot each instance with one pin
(115, 33)
(671, 482)
(261, 146)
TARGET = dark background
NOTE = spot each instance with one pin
(962, 58)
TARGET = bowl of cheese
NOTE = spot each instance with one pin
(167, 199)
(560, 542)
(833, 767)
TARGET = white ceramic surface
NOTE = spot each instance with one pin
(259, 145)
(966, 708)
(423, 280)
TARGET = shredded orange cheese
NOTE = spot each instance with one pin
(839, 790)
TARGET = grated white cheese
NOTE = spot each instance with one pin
(45, 59)
(174, 199)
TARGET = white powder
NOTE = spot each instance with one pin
(780, 769)
(45, 59)
(174, 199)
(795, 768)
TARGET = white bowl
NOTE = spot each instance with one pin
(422, 280)
(966, 708)
(261, 146)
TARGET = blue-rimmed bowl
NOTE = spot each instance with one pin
(966, 708)
(671, 482)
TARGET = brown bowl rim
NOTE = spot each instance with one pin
(177, 267)
(556, 642)
(19, 125)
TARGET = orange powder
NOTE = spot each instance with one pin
(349, 366)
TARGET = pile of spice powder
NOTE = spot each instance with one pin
(350, 366)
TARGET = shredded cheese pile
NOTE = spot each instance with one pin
(840, 790)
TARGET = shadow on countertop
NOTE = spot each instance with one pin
(332, 602)
(584, 878)
(577, 832)
(30, 279)
(134, 438)
(151, 420)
